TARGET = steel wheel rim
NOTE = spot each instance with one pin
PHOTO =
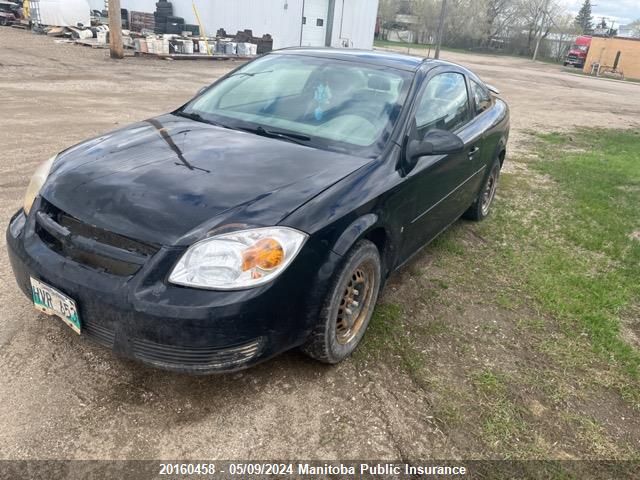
(355, 303)
(489, 192)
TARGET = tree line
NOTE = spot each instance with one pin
(521, 27)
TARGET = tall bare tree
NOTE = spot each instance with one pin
(387, 10)
(538, 17)
(499, 16)
(564, 31)
(522, 25)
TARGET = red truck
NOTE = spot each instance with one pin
(578, 52)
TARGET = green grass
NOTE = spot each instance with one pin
(585, 267)
(501, 420)
(383, 329)
(420, 46)
(387, 333)
(517, 327)
(575, 256)
(570, 248)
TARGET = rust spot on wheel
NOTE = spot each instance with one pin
(355, 303)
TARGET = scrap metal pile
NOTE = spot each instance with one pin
(159, 33)
(173, 37)
(11, 12)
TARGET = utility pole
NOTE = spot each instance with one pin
(439, 33)
(539, 39)
(115, 30)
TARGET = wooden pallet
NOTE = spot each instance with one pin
(90, 42)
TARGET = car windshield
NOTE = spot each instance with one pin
(324, 103)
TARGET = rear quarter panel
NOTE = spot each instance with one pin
(495, 123)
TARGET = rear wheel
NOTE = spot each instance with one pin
(348, 306)
(481, 207)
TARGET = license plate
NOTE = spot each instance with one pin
(52, 302)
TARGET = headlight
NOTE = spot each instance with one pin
(37, 180)
(238, 260)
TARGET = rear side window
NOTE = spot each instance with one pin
(444, 104)
(481, 97)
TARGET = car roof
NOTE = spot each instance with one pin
(374, 57)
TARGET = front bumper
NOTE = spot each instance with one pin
(576, 62)
(142, 317)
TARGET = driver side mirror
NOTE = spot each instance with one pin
(435, 142)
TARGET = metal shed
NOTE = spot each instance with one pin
(335, 23)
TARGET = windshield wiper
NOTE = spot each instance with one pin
(260, 130)
(298, 138)
(199, 118)
(249, 74)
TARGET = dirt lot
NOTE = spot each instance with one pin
(64, 397)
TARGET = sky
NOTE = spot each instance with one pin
(622, 11)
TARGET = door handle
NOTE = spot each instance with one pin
(472, 152)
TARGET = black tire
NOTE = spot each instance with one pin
(481, 207)
(336, 334)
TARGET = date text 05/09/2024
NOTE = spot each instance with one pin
(285, 469)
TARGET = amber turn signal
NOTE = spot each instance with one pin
(265, 254)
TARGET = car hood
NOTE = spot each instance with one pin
(169, 180)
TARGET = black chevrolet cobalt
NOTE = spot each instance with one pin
(263, 215)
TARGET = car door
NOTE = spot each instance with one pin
(438, 184)
(477, 130)
(474, 136)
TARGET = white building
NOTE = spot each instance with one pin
(335, 23)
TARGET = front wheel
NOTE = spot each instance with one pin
(348, 307)
(481, 207)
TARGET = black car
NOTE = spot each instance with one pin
(263, 215)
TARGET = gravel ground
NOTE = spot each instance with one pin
(68, 398)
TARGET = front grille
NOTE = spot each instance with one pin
(89, 245)
(195, 358)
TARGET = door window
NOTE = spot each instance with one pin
(444, 104)
(481, 97)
